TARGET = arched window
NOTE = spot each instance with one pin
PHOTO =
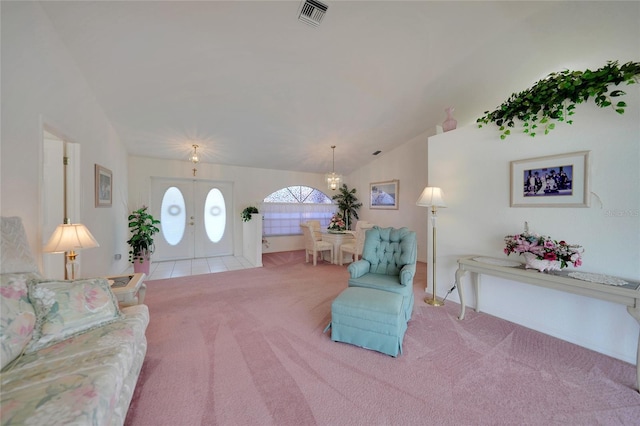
(284, 210)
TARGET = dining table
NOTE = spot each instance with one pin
(337, 238)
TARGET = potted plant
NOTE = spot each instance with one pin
(143, 227)
(246, 213)
(348, 204)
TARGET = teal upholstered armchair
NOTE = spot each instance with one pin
(388, 263)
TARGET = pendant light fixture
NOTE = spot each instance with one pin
(194, 158)
(333, 180)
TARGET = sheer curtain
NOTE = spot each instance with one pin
(285, 218)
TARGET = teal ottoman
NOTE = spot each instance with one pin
(371, 319)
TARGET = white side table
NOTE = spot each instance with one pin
(129, 289)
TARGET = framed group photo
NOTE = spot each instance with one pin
(104, 186)
(553, 181)
(384, 195)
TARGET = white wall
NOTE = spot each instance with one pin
(408, 164)
(250, 187)
(472, 166)
(42, 85)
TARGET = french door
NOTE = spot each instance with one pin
(195, 218)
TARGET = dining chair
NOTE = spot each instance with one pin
(315, 224)
(313, 244)
(354, 247)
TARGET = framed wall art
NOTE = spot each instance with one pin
(554, 181)
(384, 195)
(104, 186)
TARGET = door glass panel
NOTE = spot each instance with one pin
(215, 215)
(173, 216)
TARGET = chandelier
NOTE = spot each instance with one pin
(194, 158)
(333, 180)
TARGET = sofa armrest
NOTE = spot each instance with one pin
(407, 273)
(359, 268)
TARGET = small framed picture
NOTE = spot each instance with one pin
(553, 181)
(104, 186)
(384, 195)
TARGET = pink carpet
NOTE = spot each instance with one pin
(247, 348)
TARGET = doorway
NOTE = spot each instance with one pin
(60, 193)
(195, 218)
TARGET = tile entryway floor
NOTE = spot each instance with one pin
(183, 268)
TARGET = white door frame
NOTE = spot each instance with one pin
(55, 147)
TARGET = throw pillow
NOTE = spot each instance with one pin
(17, 317)
(66, 308)
(15, 254)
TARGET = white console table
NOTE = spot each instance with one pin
(628, 294)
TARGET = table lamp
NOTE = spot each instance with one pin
(68, 238)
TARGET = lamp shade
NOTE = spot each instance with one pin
(431, 197)
(69, 237)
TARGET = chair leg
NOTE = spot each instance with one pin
(315, 258)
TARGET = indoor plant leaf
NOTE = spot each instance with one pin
(546, 99)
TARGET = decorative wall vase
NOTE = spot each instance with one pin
(450, 123)
(532, 262)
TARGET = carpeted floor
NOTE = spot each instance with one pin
(248, 348)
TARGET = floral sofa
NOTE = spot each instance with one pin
(69, 354)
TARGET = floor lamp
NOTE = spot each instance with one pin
(432, 197)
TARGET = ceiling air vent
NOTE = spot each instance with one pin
(312, 12)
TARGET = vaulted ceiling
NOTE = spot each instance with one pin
(255, 87)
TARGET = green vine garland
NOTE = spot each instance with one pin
(247, 212)
(556, 96)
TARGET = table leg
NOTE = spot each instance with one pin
(638, 365)
(459, 274)
(141, 293)
(634, 311)
(475, 278)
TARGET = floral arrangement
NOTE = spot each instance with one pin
(337, 223)
(544, 248)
